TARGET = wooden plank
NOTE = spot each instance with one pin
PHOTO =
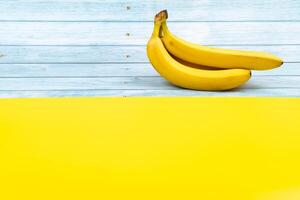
(112, 54)
(273, 92)
(138, 33)
(76, 70)
(134, 10)
(108, 70)
(73, 54)
(132, 83)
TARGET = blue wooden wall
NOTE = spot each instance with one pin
(97, 47)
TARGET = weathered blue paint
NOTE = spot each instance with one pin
(135, 10)
(138, 33)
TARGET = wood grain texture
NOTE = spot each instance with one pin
(138, 33)
(133, 10)
(273, 92)
(132, 83)
(113, 54)
(109, 70)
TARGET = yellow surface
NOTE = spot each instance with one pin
(150, 148)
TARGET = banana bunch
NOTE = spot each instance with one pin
(197, 67)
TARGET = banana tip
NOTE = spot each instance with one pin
(161, 16)
(166, 13)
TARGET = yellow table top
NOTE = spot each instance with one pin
(150, 148)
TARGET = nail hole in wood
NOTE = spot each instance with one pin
(127, 34)
(128, 7)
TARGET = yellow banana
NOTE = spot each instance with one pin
(188, 77)
(216, 57)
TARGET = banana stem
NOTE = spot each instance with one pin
(160, 18)
(164, 26)
(156, 29)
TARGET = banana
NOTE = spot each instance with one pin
(188, 77)
(215, 57)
